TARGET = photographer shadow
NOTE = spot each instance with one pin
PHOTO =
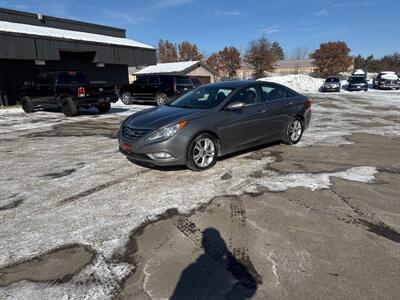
(216, 274)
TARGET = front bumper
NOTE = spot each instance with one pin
(388, 86)
(140, 148)
(357, 88)
(330, 89)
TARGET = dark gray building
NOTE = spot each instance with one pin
(31, 43)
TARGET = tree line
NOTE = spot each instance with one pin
(261, 54)
(389, 62)
(329, 59)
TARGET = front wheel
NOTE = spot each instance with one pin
(27, 105)
(161, 99)
(126, 98)
(202, 153)
(294, 131)
(104, 107)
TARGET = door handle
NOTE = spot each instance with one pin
(289, 104)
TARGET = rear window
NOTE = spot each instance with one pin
(332, 79)
(183, 80)
(357, 80)
(72, 78)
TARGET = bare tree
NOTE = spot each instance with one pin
(188, 51)
(166, 52)
(301, 52)
(260, 55)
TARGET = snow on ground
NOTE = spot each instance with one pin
(103, 197)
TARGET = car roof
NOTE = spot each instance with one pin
(233, 84)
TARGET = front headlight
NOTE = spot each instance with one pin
(167, 132)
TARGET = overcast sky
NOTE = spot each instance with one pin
(368, 26)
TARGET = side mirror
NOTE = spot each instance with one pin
(236, 105)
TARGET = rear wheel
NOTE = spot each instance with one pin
(27, 105)
(161, 99)
(126, 98)
(104, 107)
(69, 107)
(202, 153)
(294, 131)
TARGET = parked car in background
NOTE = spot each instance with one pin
(359, 73)
(196, 82)
(331, 84)
(357, 83)
(155, 88)
(386, 80)
(68, 90)
(214, 120)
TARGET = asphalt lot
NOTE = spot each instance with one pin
(317, 220)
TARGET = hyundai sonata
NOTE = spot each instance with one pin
(212, 121)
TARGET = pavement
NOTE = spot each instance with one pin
(316, 220)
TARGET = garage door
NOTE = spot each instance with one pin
(203, 79)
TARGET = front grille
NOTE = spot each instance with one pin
(134, 133)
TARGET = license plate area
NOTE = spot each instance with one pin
(126, 147)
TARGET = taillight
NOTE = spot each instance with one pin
(81, 92)
(307, 103)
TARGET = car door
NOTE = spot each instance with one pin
(43, 89)
(244, 127)
(278, 103)
(138, 88)
(152, 86)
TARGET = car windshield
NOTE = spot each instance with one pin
(332, 79)
(357, 80)
(202, 98)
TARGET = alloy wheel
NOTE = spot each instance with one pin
(204, 152)
(126, 98)
(295, 130)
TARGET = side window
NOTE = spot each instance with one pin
(247, 95)
(153, 80)
(272, 92)
(289, 93)
(141, 80)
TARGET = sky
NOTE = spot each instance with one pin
(367, 26)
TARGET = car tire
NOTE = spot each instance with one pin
(126, 98)
(69, 107)
(294, 131)
(161, 99)
(202, 153)
(104, 107)
(27, 105)
(338, 90)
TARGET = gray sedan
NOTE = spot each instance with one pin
(212, 121)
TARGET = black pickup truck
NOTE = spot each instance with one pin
(68, 90)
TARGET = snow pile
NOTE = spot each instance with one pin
(300, 83)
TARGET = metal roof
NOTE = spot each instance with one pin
(20, 28)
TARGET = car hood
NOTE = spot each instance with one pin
(161, 116)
